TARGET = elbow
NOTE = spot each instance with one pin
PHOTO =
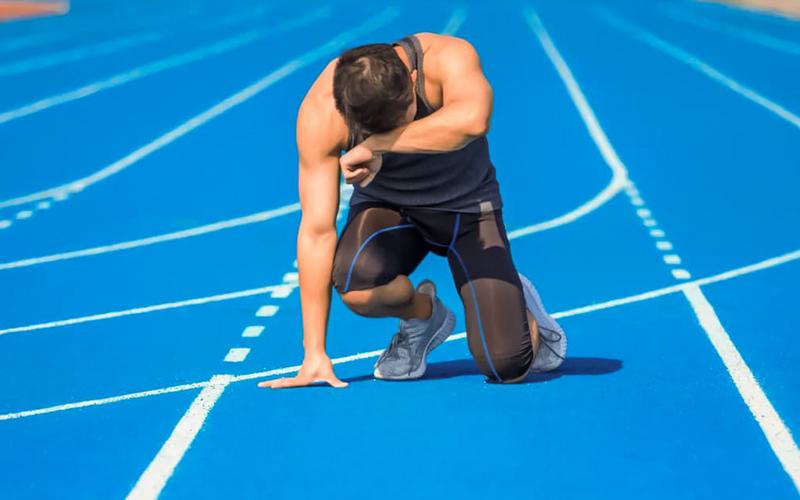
(316, 232)
(477, 126)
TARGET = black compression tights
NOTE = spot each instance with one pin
(381, 242)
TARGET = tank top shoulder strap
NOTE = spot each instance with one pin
(413, 49)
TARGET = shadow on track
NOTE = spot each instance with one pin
(467, 367)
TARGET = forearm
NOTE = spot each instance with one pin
(448, 129)
(315, 251)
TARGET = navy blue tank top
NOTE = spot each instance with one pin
(455, 181)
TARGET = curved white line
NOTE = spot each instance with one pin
(152, 240)
(659, 292)
(327, 49)
(149, 309)
(174, 61)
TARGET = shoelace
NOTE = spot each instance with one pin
(555, 337)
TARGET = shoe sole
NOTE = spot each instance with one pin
(435, 341)
(530, 291)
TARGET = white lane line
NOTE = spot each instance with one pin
(331, 47)
(643, 213)
(23, 214)
(155, 477)
(237, 354)
(657, 233)
(152, 240)
(762, 39)
(619, 178)
(456, 20)
(291, 278)
(649, 222)
(637, 202)
(597, 201)
(703, 67)
(43, 205)
(78, 54)
(786, 450)
(160, 65)
(776, 432)
(640, 297)
(267, 311)
(253, 331)
(5, 223)
(144, 310)
(672, 259)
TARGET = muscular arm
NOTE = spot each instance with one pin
(316, 238)
(318, 152)
(465, 113)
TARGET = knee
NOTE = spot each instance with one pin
(359, 301)
(507, 368)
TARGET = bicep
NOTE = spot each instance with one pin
(318, 174)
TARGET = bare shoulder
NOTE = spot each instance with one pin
(435, 43)
(321, 129)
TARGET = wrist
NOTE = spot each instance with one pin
(382, 143)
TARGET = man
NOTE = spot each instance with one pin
(413, 117)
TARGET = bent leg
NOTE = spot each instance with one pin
(500, 336)
(376, 252)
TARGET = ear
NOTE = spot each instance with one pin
(414, 76)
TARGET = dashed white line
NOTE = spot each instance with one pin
(290, 277)
(5, 223)
(609, 304)
(643, 212)
(282, 291)
(253, 331)
(24, 214)
(657, 233)
(237, 354)
(267, 311)
(681, 274)
(43, 205)
(664, 245)
(148, 309)
(672, 259)
(768, 419)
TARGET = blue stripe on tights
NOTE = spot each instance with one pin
(361, 248)
(452, 248)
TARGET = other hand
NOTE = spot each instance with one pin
(360, 165)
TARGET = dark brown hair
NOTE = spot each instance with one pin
(372, 88)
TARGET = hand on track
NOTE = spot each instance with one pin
(314, 369)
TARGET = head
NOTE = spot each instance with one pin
(373, 88)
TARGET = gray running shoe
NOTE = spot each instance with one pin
(405, 358)
(552, 339)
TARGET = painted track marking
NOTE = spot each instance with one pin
(609, 304)
(782, 443)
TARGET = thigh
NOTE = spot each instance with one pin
(376, 245)
(490, 289)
